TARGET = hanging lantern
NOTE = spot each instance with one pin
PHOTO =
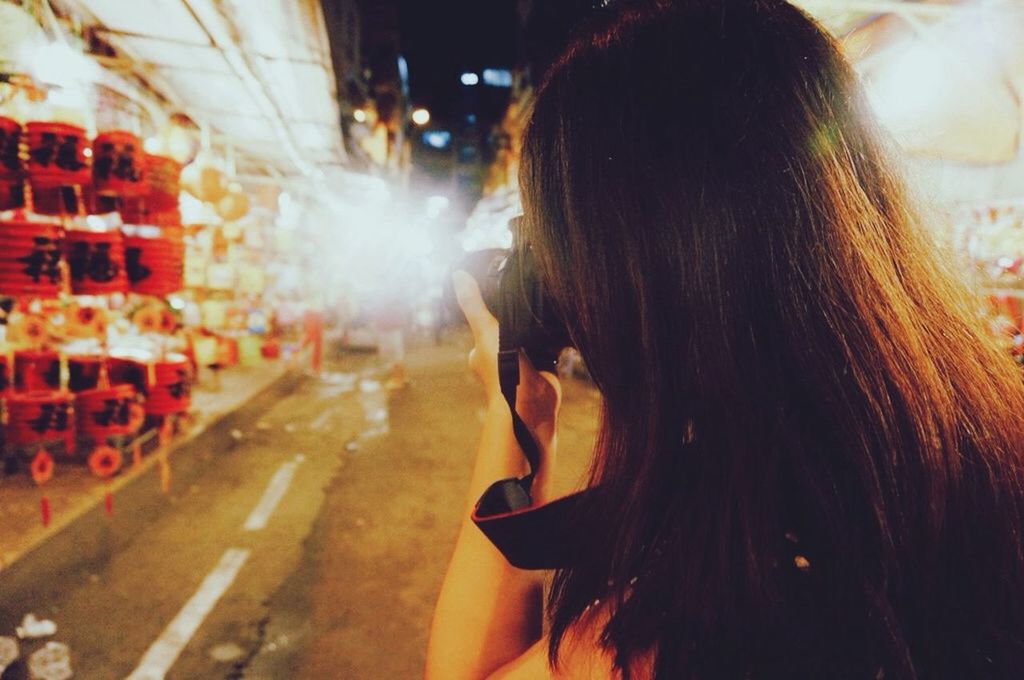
(172, 386)
(57, 155)
(41, 417)
(30, 259)
(163, 178)
(36, 370)
(118, 164)
(155, 265)
(11, 166)
(234, 205)
(204, 179)
(96, 260)
(84, 371)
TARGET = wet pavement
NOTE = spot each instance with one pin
(305, 535)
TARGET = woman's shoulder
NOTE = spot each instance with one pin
(581, 656)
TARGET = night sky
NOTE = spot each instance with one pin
(442, 39)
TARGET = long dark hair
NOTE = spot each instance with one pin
(808, 462)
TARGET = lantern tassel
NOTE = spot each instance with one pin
(44, 510)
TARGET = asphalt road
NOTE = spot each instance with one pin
(304, 536)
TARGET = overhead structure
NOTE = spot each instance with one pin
(262, 80)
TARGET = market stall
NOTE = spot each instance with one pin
(141, 221)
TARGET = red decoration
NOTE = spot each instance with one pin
(118, 164)
(30, 259)
(96, 261)
(172, 387)
(163, 179)
(44, 511)
(11, 167)
(5, 375)
(107, 412)
(155, 265)
(84, 372)
(56, 155)
(104, 461)
(41, 468)
(36, 370)
(41, 417)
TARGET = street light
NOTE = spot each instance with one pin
(359, 115)
(470, 79)
(421, 116)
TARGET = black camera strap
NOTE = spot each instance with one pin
(508, 380)
(529, 537)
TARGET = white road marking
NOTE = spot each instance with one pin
(162, 654)
(273, 494)
(321, 420)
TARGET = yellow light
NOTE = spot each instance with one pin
(359, 115)
(421, 116)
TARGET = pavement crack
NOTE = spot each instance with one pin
(239, 668)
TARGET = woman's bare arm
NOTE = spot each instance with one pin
(489, 612)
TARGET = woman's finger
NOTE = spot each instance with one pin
(467, 292)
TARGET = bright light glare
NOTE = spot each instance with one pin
(58, 64)
(470, 79)
(911, 85)
(359, 115)
(421, 116)
(437, 139)
(497, 77)
(437, 205)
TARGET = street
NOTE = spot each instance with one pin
(303, 536)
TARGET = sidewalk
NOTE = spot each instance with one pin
(74, 491)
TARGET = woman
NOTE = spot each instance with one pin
(807, 464)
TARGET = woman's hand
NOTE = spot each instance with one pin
(539, 394)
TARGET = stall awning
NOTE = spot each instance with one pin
(259, 74)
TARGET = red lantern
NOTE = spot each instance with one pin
(11, 167)
(163, 179)
(107, 412)
(30, 259)
(155, 265)
(56, 155)
(96, 262)
(84, 372)
(118, 164)
(41, 417)
(36, 370)
(172, 387)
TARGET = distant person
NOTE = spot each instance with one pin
(313, 337)
(809, 458)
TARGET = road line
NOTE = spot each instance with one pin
(162, 654)
(321, 420)
(273, 494)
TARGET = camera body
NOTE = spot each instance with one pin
(527, 316)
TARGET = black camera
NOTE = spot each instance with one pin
(527, 317)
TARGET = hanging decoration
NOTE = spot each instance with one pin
(118, 164)
(30, 259)
(234, 205)
(96, 262)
